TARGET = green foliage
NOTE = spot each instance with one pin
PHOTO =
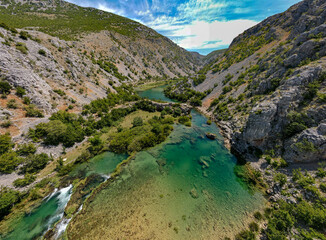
(321, 173)
(9, 161)
(70, 23)
(322, 187)
(185, 120)
(227, 79)
(250, 176)
(20, 92)
(227, 89)
(305, 146)
(22, 182)
(5, 143)
(8, 198)
(195, 102)
(200, 79)
(312, 90)
(59, 92)
(222, 112)
(5, 26)
(279, 223)
(245, 235)
(32, 111)
(22, 47)
(12, 104)
(111, 68)
(187, 94)
(5, 87)
(258, 216)
(138, 138)
(297, 122)
(26, 149)
(42, 52)
(26, 100)
(24, 35)
(138, 121)
(34, 163)
(280, 178)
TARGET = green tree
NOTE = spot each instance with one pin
(138, 121)
(35, 163)
(5, 143)
(20, 91)
(5, 87)
(8, 198)
(9, 161)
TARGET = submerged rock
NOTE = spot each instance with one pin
(211, 136)
(193, 193)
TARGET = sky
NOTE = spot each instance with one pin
(202, 25)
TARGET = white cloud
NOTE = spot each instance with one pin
(201, 34)
(105, 8)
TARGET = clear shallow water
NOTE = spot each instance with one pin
(183, 188)
(51, 210)
(155, 94)
(42, 218)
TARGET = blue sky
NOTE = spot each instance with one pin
(202, 25)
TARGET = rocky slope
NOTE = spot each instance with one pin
(269, 86)
(64, 56)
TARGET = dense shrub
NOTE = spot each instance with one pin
(12, 104)
(26, 149)
(42, 52)
(32, 111)
(5, 87)
(138, 121)
(34, 163)
(22, 182)
(5, 143)
(8, 198)
(9, 162)
(20, 92)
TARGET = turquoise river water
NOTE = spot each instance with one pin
(184, 188)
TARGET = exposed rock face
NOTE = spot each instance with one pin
(282, 83)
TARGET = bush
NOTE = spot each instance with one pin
(22, 182)
(26, 100)
(8, 198)
(183, 119)
(280, 178)
(138, 121)
(12, 104)
(253, 227)
(32, 111)
(245, 235)
(322, 187)
(24, 35)
(5, 143)
(34, 163)
(22, 47)
(258, 216)
(20, 92)
(5, 87)
(59, 92)
(42, 52)
(227, 89)
(6, 124)
(26, 149)
(9, 161)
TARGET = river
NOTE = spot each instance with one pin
(184, 188)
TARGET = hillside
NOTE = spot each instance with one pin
(267, 93)
(64, 56)
(269, 88)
